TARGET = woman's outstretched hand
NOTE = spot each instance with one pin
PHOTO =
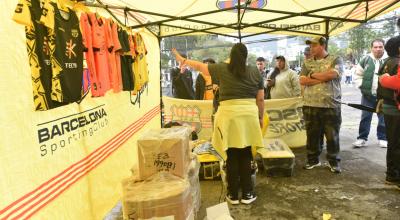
(178, 57)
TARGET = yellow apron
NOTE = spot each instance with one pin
(236, 126)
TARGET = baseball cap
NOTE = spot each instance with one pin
(316, 40)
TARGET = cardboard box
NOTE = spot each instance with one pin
(161, 195)
(165, 149)
(193, 177)
(277, 158)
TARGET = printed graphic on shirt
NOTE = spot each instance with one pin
(66, 52)
(28, 13)
(140, 66)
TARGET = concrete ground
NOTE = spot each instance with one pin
(359, 192)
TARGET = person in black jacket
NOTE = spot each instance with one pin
(391, 109)
(182, 83)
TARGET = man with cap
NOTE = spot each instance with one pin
(307, 53)
(321, 76)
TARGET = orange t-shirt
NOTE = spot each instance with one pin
(101, 46)
(87, 39)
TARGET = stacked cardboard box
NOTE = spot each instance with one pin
(164, 149)
(277, 158)
(167, 181)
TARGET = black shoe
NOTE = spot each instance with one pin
(311, 165)
(232, 200)
(248, 198)
(392, 181)
(334, 167)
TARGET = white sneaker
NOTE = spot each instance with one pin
(359, 143)
(382, 143)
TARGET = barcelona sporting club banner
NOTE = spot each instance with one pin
(285, 118)
(286, 121)
(66, 162)
(196, 113)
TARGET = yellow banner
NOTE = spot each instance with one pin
(67, 162)
(285, 118)
(196, 113)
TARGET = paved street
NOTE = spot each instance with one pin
(359, 192)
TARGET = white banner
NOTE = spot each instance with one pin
(285, 118)
(286, 121)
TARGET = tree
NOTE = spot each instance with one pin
(335, 50)
(360, 40)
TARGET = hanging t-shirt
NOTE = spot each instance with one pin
(28, 13)
(138, 79)
(140, 66)
(87, 39)
(126, 61)
(111, 56)
(101, 44)
(66, 53)
(117, 82)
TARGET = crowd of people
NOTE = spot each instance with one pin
(241, 90)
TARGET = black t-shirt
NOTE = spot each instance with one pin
(233, 87)
(200, 87)
(69, 54)
(127, 75)
(182, 84)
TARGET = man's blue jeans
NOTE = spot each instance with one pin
(366, 117)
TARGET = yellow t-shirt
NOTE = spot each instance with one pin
(38, 51)
(140, 64)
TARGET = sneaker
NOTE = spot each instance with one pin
(392, 182)
(334, 167)
(232, 200)
(359, 143)
(382, 143)
(248, 198)
(310, 166)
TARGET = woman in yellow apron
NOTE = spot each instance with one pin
(239, 119)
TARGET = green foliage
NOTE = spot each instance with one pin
(333, 49)
(360, 39)
(251, 59)
(197, 47)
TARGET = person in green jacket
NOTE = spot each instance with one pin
(367, 71)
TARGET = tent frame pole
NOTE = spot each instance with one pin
(198, 30)
(194, 30)
(382, 10)
(238, 21)
(348, 14)
(327, 21)
(287, 29)
(174, 18)
(291, 14)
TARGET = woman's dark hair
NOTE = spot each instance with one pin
(238, 57)
(209, 60)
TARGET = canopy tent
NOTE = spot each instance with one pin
(249, 18)
(76, 173)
